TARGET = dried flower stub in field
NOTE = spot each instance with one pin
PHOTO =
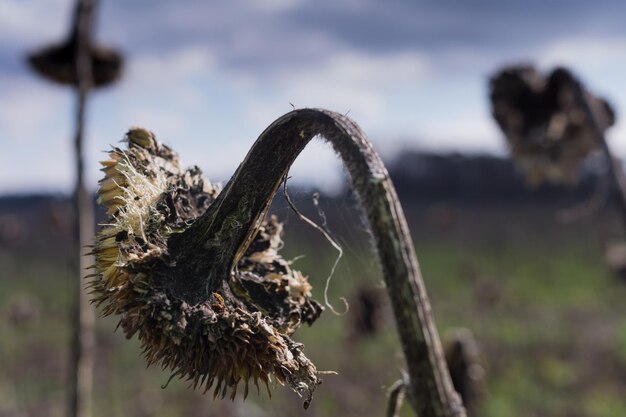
(235, 332)
(58, 63)
(544, 121)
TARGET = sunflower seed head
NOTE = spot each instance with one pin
(57, 63)
(545, 125)
(240, 332)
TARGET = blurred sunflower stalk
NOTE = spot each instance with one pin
(79, 63)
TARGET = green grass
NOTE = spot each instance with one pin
(550, 318)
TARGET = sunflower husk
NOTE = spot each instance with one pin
(57, 63)
(240, 331)
(546, 127)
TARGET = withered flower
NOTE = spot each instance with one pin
(57, 62)
(196, 274)
(546, 121)
(240, 331)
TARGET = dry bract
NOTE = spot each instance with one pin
(545, 125)
(240, 330)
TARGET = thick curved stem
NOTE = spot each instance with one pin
(224, 231)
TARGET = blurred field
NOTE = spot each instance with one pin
(548, 314)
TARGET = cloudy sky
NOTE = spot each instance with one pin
(208, 76)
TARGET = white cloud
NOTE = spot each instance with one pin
(590, 53)
(347, 81)
(171, 67)
(472, 131)
(600, 63)
(31, 20)
(34, 132)
(275, 5)
(319, 167)
(159, 91)
(367, 70)
(27, 108)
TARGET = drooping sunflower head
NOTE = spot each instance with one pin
(546, 127)
(57, 63)
(240, 331)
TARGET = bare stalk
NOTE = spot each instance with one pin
(616, 171)
(83, 338)
(224, 231)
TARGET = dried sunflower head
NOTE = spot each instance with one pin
(58, 63)
(238, 331)
(546, 127)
